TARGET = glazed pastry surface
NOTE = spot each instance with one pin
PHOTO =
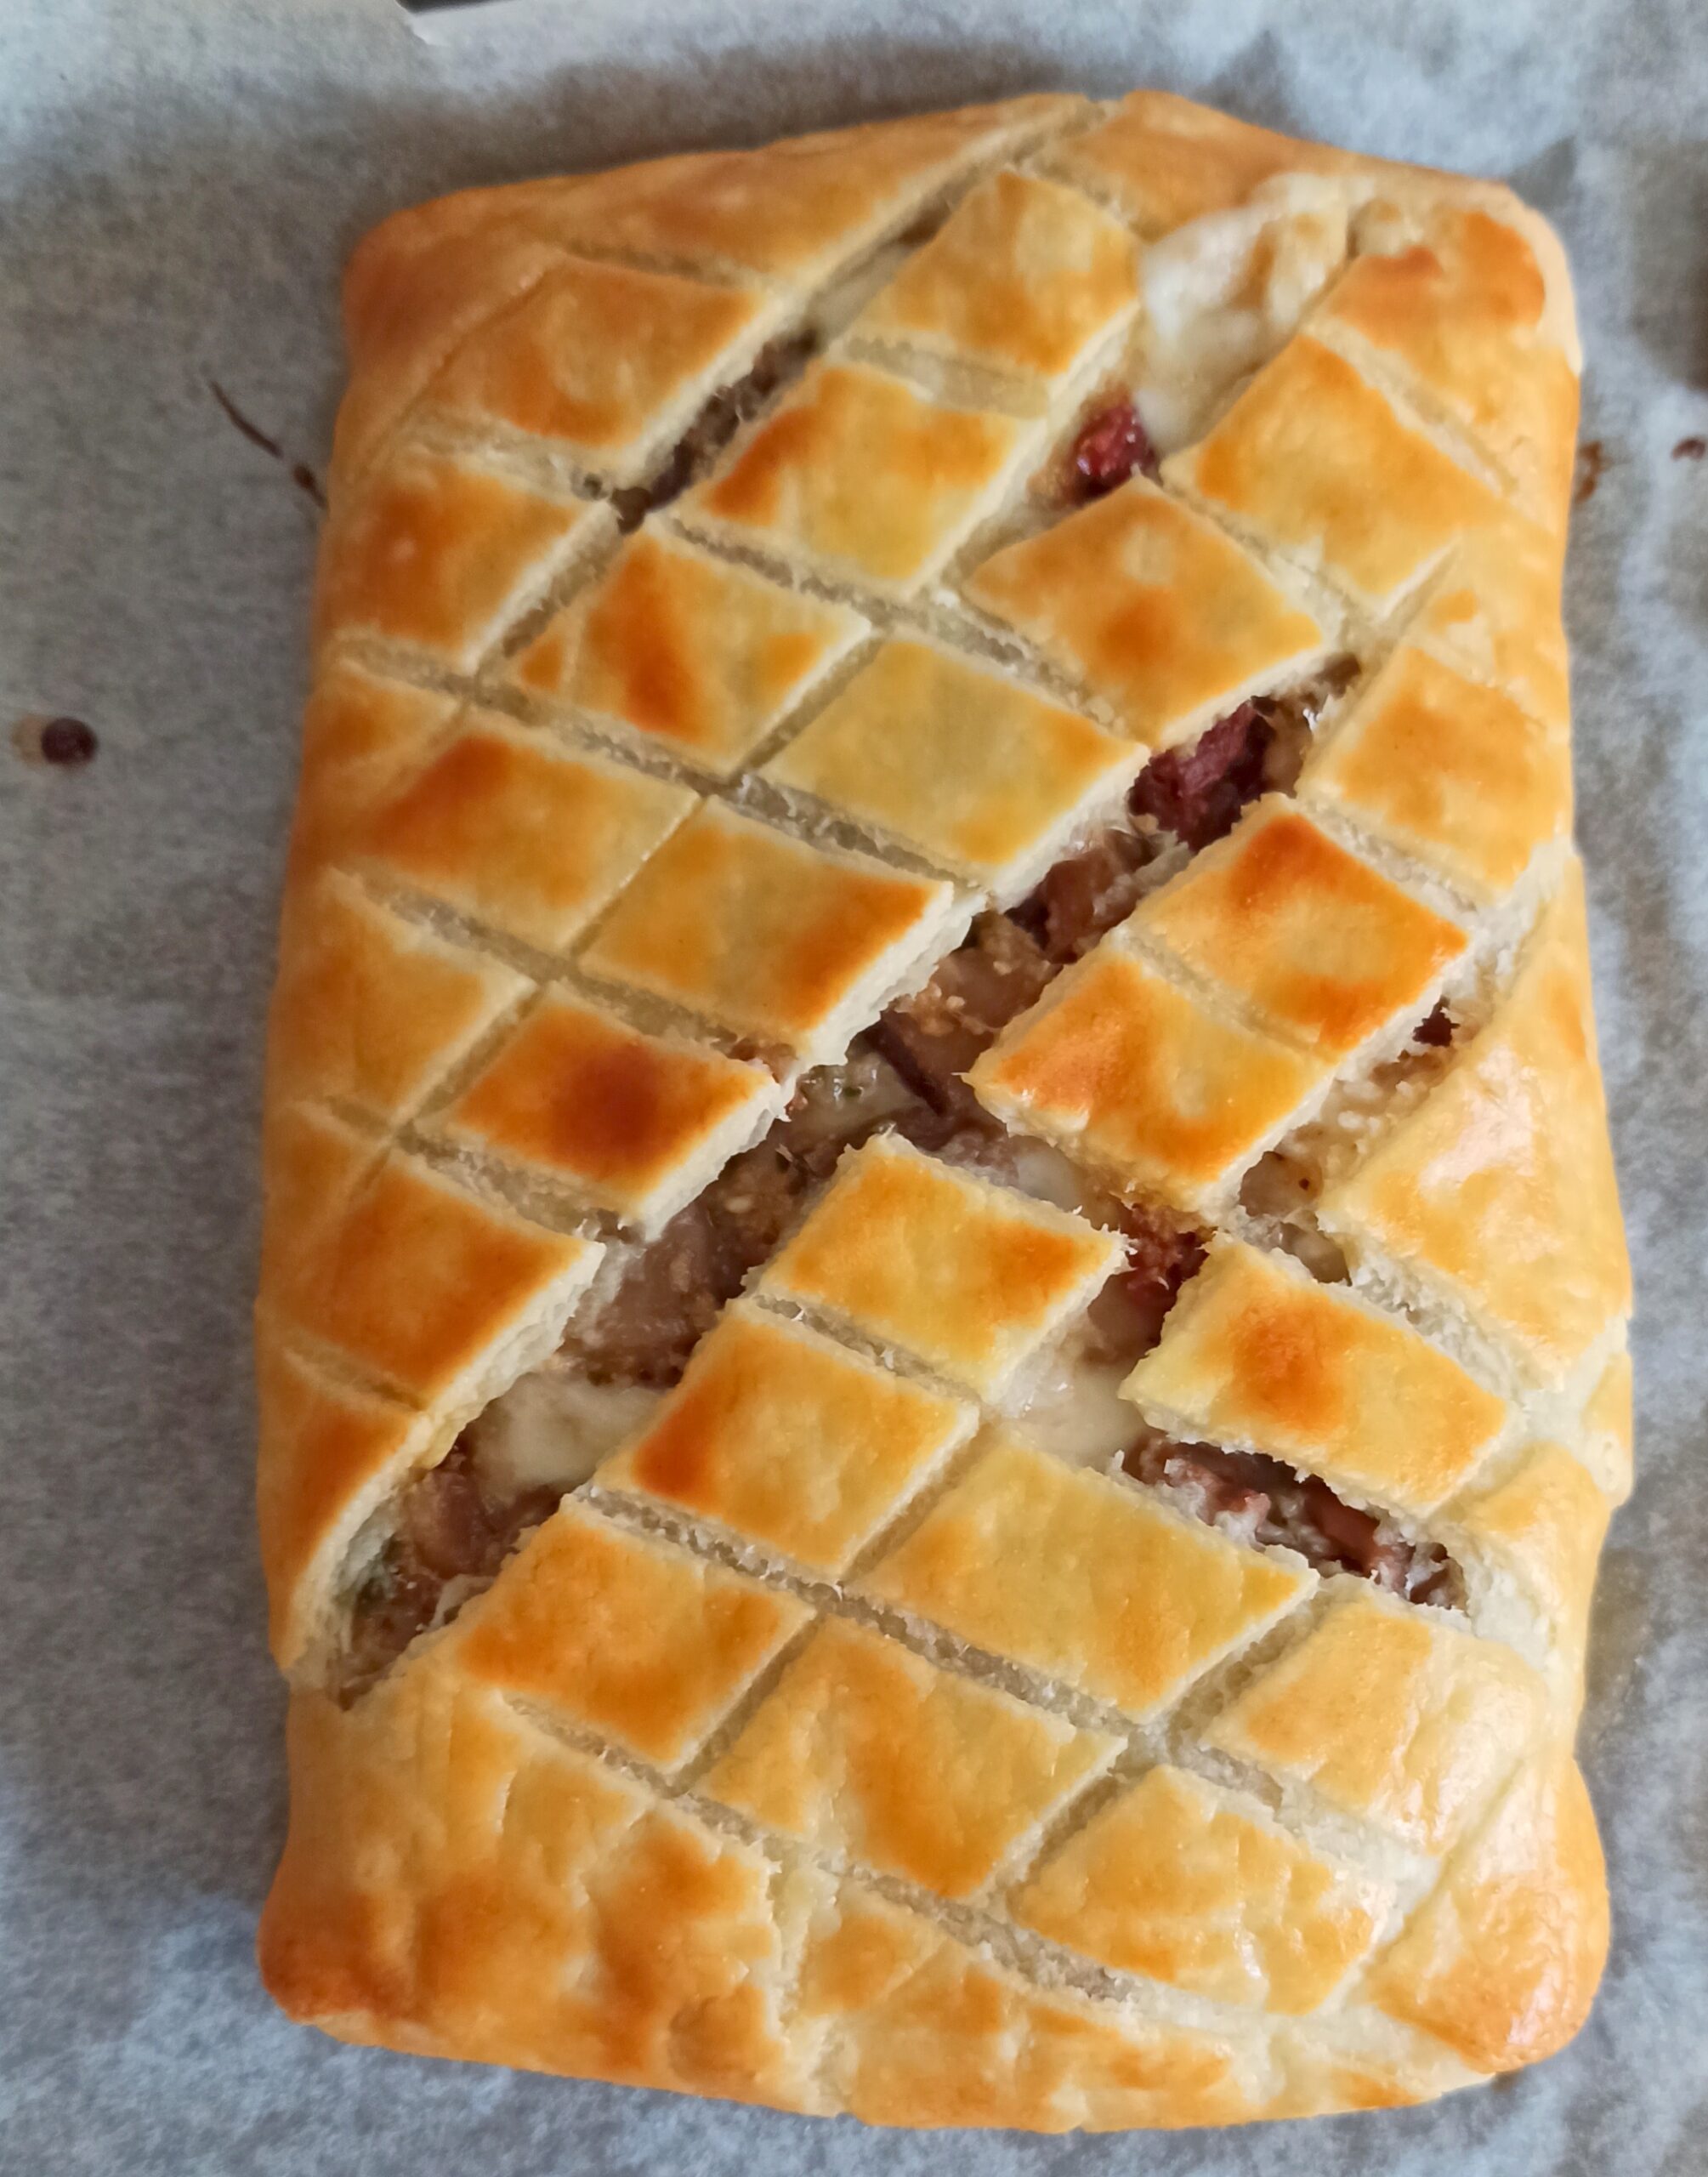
(943, 1328)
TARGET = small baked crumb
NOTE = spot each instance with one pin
(67, 743)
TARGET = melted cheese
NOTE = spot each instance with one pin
(1223, 293)
(551, 1431)
(1073, 1407)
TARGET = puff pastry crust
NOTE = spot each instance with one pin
(942, 1336)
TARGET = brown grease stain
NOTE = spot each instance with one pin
(62, 743)
(300, 472)
(1591, 462)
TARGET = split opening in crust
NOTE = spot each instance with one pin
(445, 1535)
(1279, 1193)
(777, 365)
(1255, 1499)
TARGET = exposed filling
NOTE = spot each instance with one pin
(1226, 292)
(1198, 793)
(933, 1036)
(675, 1288)
(781, 359)
(1111, 445)
(451, 1528)
(1073, 1406)
(777, 361)
(1282, 1187)
(1254, 1499)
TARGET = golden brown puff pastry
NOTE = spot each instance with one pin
(942, 1341)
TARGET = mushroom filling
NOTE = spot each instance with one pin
(776, 363)
(1258, 1500)
(450, 1526)
(1281, 1188)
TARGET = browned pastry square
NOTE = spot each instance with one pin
(694, 655)
(519, 833)
(631, 1123)
(942, 1341)
(965, 767)
(1026, 277)
(778, 1434)
(861, 477)
(440, 554)
(1161, 618)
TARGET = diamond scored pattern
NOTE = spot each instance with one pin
(625, 1119)
(521, 834)
(769, 938)
(1385, 1714)
(1312, 461)
(606, 362)
(443, 555)
(1159, 617)
(629, 1638)
(1257, 1355)
(1027, 276)
(804, 1449)
(866, 1752)
(684, 652)
(965, 766)
(1319, 948)
(1174, 1882)
(1136, 1078)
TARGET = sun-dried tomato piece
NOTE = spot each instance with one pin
(1112, 446)
(1198, 793)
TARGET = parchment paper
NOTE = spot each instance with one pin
(181, 182)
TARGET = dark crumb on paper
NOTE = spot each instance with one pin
(300, 474)
(1592, 460)
(66, 743)
(1691, 449)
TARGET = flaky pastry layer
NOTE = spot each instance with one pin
(942, 1340)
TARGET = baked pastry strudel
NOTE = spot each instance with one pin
(943, 1328)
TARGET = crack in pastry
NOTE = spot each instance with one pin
(1197, 791)
(1253, 1498)
(778, 364)
(454, 1524)
(1279, 1191)
(1110, 445)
